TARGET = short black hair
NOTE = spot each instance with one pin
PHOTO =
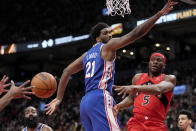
(95, 30)
(186, 112)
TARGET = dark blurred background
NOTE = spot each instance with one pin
(30, 33)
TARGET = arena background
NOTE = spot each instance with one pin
(45, 36)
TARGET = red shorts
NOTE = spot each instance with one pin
(144, 123)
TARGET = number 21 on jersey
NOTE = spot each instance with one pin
(90, 68)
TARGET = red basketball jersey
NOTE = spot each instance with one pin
(152, 105)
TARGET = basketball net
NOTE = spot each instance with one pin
(118, 7)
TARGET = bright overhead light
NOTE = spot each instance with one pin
(157, 45)
(131, 53)
(168, 48)
(124, 51)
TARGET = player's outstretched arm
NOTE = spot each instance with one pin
(15, 92)
(117, 43)
(165, 86)
(73, 68)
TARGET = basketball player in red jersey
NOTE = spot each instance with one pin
(151, 94)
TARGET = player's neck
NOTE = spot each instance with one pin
(188, 129)
(151, 75)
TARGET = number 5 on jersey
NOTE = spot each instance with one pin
(146, 100)
(90, 68)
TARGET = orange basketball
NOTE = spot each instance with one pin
(45, 85)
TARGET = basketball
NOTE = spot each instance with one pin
(45, 85)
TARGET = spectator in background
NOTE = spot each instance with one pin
(31, 121)
(184, 120)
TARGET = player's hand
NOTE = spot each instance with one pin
(124, 90)
(20, 91)
(116, 110)
(168, 7)
(3, 85)
(52, 106)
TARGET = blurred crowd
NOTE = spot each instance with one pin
(67, 117)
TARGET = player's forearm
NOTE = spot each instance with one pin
(144, 28)
(126, 103)
(5, 100)
(148, 89)
(63, 84)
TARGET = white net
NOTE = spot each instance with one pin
(118, 7)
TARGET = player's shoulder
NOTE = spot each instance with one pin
(138, 75)
(46, 128)
(170, 76)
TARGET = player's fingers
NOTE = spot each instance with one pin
(28, 93)
(26, 97)
(116, 87)
(46, 108)
(6, 85)
(51, 112)
(121, 91)
(124, 94)
(47, 105)
(5, 90)
(24, 84)
(28, 88)
(173, 3)
(3, 78)
(48, 112)
(12, 83)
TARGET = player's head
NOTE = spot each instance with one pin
(157, 63)
(184, 119)
(31, 117)
(100, 33)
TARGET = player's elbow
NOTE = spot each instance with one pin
(158, 90)
(66, 72)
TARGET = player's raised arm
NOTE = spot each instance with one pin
(73, 68)
(117, 43)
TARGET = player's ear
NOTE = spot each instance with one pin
(190, 121)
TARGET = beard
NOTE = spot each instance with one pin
(31, 122)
